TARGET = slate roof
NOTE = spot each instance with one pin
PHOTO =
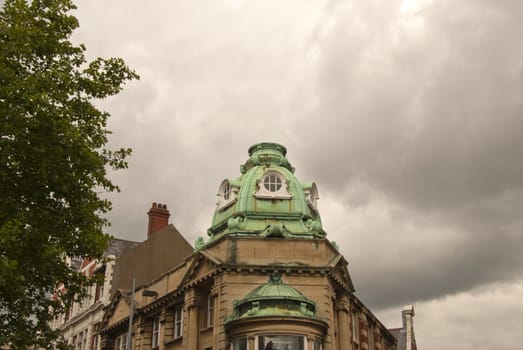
(119, 246)
(408, 327)
(401, 337)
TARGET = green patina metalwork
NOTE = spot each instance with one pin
(199, 243)
(274, 299)
(289, 213)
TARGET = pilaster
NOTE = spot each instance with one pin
(192, 307)
(343, 318)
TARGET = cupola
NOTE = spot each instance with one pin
(267, 199)
(274, 299)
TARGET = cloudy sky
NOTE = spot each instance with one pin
(407, 114)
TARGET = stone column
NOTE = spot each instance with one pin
(192, 307)
(161, 337)
(251, 342)
(310, 343)
(343, 315)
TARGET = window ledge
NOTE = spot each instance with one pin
(174, 340)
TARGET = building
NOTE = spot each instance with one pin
(266, 278)
(79, 326)
(405, 334)
(125, 260)
(164, 248)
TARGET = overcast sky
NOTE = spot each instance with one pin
(407, 114)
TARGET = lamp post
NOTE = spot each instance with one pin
(128, 347)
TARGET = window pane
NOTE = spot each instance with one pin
(239, 344)
(95, 342)
(226, 192)
(355, 327)
(178, 322)
(272, 183)
(156, 332)
(210, 311)
(281, 342)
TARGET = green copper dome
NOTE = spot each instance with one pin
(274, 289)
(267, 199)
(274, 299)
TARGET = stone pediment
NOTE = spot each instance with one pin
(118, 310)
(339, 272)
(202, 266)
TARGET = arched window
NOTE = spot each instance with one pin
(227, 194)
(226, 191)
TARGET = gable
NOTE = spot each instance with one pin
(150, 259)
(339, 272)
(202, 267)
(117, 311)
(121, 312)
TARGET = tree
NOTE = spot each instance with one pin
(53, 163)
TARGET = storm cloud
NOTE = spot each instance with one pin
(407, 114)
(420, 113)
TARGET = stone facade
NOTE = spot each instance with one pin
(267, 278)
(125, 261)
(209, 282)
(80, 325)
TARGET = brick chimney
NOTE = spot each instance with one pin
(158, 218)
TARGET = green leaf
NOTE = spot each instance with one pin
(53, 161)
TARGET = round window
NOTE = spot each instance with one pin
(272, 183)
